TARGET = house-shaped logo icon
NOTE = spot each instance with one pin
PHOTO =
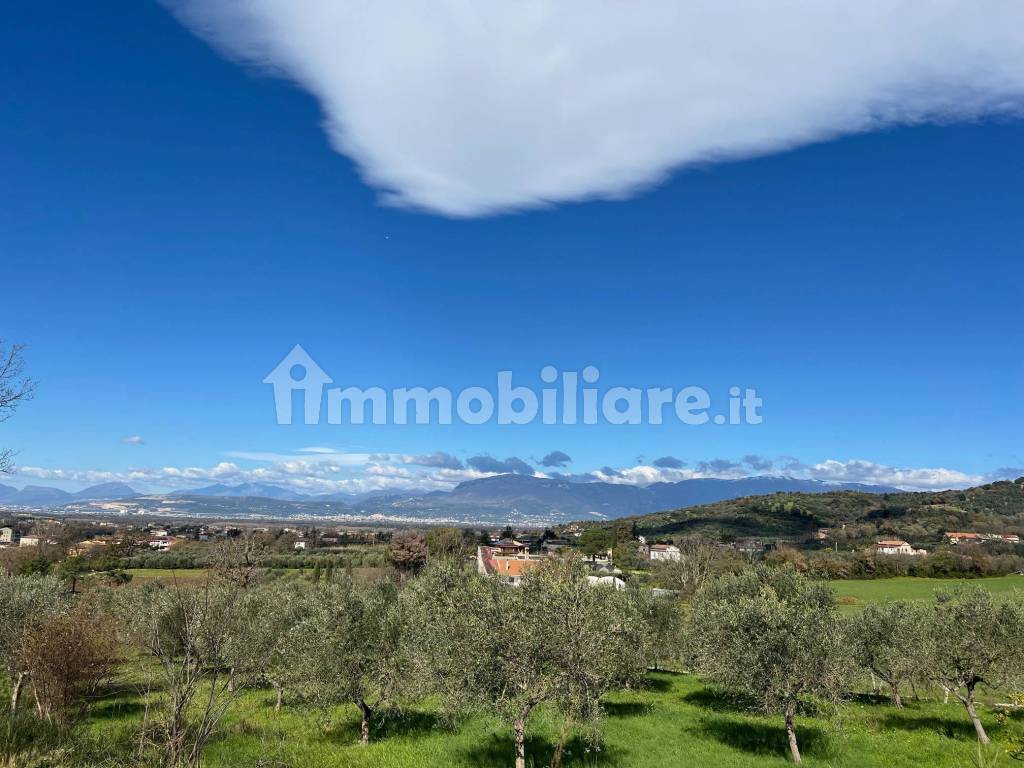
(298, 371)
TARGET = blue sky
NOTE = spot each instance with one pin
(172, 222)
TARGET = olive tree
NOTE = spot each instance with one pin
(555, 638)
(886, 640)
(195, 637)
(664, 617)
(26, 602)
(349, 649)
(974, 641)
(773, 636)
(270, 610)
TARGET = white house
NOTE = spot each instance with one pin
(7, 536)
(896, 547)
(665, 552)
(30, 541)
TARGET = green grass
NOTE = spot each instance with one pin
(857, 593)
(167, 575)
(675, 721)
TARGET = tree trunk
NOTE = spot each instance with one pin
(16, 689)
(969, 704)
(280, 697)
(519, 727)
(794, 748)
(364, 733)
(40, 709)
(897, 700)
(556, 759)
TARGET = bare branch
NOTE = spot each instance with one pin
(15, 387)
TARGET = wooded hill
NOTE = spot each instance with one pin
(921, 518)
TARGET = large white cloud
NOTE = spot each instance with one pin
(330, 472)
(469, 107)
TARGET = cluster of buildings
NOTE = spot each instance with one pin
(954, 537)
(900, 547)
(157, 540)
(510, 560)
(9, 537)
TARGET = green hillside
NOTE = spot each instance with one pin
(852, 517)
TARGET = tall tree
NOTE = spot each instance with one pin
(974, 641)
(773, 636)
(447, 544)
(408, 552)
(15, 388)
(596, 540)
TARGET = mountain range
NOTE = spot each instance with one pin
(268, 491)
(45, 496)
(497, 499)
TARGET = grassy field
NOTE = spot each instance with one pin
(167, 575)
(675, 721)
(855, 593)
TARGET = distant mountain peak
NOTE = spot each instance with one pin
(106, 491)
(259, 490)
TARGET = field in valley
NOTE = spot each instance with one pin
(859, 592)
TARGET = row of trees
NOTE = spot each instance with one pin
(778, 638)
(962, 561)
(765, 634)
(468, 640)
